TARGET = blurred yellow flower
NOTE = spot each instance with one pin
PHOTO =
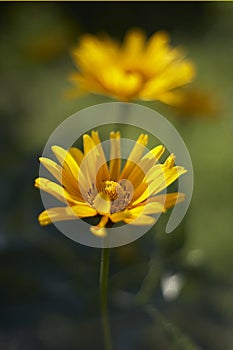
(194, 102)
(129, 195)
(136, 70)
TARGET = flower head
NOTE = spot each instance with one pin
(90, 186)
(136, 70)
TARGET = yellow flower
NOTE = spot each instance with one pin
(136, 70)
(91, 186)
(194, 102)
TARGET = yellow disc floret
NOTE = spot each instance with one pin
(110, 189)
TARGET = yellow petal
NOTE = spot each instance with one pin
(156, 41)
(174, 76)
(100, 230)
(103, 172)
(83, 85)
(64, 176)
(134, 43)
(52, 167)
(140, 171)
(81, 181)
(102, 204)
(83, 210)
(56, 214)
(162, 179)
(90, 163)
(143, 191)
(157, 152)
(65, 213)
(115, 156)
(88, 144)
(168, 200)
(171, 98)
(94, 53)
(159, 55)
(95, 137)
(66, 159)
(54, 189)
(133, 50)
(147, 208)
(77, 155)
(134, 156)
(156, 172)
(171, 175)
(136, 177)
(170, 161)
(120, 216)
(142, 220)
(95, 161)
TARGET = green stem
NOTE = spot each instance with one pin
(104, 270)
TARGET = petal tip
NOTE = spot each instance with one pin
(98, 231)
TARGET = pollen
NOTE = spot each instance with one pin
(110, 189)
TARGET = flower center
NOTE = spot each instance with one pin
(139, 73)
(110, 197)
(111, 189)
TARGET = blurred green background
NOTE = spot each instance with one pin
(166, 291)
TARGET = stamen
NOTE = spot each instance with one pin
(111, 196)
(111, 189)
